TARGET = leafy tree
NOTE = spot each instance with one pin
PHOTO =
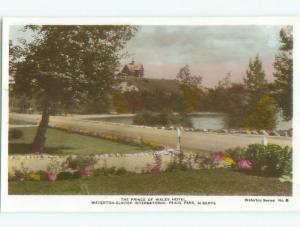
(219, 95)
(192, 96)
(235, 103)
(283, 84)
(190, 86)
(94, 105)
(263, 115)
(64, 64)
(152, 100)
(218, 99)
(134, 101)
(120, 102)
(178, 103)
(15, 53)
(184, 76)
(226, 81)
(15, 103)
(229, 98)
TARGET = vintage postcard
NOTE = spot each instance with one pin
(150, 114)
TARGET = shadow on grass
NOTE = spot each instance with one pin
(26, 148)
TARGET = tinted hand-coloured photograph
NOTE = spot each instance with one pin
(118, 109)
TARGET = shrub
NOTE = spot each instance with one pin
(146, 118)
(110, 171)
(235, 153)
(19, 175)
(98, 172)
(43, 174)
(79, 162)
(105, 171)
(178, 163)
(67, 175)
(121, 171)
(163, 118)
(270, 159)
(76, 174)
(177, 166)
(204, 162)
(15, 134)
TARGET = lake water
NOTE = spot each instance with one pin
(199, 122)
(209, 122)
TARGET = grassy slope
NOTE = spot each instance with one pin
(60, 142)
(192, 182)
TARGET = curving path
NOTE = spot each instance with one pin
(191, 141)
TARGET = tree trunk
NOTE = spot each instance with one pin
(40, 137)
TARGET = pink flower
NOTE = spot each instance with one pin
(154, 168)
(51, 176)
(85, 172)
(244, 164)
(218, 156)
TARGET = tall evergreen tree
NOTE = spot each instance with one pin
(260, 110)
(263, 114)
(283, 84)
(255, 81)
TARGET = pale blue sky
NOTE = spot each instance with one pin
(211, 51)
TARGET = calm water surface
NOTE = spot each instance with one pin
(199, 122)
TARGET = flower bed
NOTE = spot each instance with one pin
(112, 136)
(266, 160)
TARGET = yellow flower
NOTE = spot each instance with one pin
(152, 144)
(35, 176)
(229, 161)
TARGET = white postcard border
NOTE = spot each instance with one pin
(14, 203)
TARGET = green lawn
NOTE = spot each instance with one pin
(18, 122)
(191, 182)
(61, 142)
